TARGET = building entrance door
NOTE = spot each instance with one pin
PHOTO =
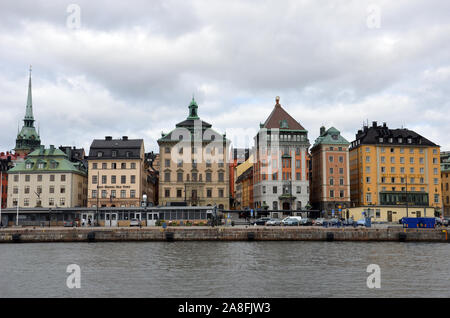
(111, 219)
(87, 219)
(286, 206)
(152, 217)
(389, 216)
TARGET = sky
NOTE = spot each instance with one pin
(130, 68)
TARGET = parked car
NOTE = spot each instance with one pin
(306, 221)
(260, 221)
(273, 222)
(135, 222)
(348, 222)
(71, 223)
(361, 222)
(290, 221)
(319, 221)
(445, 221)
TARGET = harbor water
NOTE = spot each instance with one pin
(225, 269)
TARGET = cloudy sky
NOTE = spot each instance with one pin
(131, 67)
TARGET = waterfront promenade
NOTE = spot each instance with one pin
(221, 233)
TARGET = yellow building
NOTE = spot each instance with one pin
(194, 169)
(244, 184)
(445, 177)
(394, 167)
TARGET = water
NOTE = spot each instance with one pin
(225, 269)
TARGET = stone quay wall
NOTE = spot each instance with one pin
(29, 235)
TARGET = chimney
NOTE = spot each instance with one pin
(374, 124)
(322, 130)
(384, 125)
(108, 137)
(52, 149)
(124, 137)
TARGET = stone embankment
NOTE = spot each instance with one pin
(202, 233)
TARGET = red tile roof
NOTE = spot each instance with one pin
(278, 114)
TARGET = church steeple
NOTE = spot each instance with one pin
(193, 107)
(29, 119)
(27, 139)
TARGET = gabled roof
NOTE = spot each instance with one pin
(280, 118)
(122, 146)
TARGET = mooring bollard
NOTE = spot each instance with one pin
(16, 237)
(91, 237)
(169, 236)
(330, 237)
(251, 236)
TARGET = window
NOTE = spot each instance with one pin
(331, 193)
(330, 158)
(52, 177)
(94, 179)
(341, 170)
(208, 176)
(341, 159)
(62, 189)
(27, 178)
(132, 193)
(16, 178)
(113, 194)
(51, 201)
(123, 194)
(220, 193)
(27, 190)
(382, 159)
(62, 201)
(51, 189)
(208, 193)
(123, 165)
(220, 176)
(94, 194)
(367, 158)
(341, 193)
(113, 179)
(123, 179)
(392, 159)
(94, 165)
(104, 193)
(331, 181)
(39, 177)
(411, 159)
(299, 189)
(331, 170)
(104, 166)
(167, 150)
(133, 165)
(104, 179)
(179, 193)
(167, 162)
(114, 153)
(167, 176)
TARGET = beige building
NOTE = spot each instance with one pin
(192, 165)
(47, 178)
(391, 214)
(118, 173)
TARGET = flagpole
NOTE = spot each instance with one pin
(18, 202)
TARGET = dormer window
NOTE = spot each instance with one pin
(53, 165)
(100, 154)
(128, 154)
(29, 165)
(409, 140)
(41, 165)
(114, 153)
(391, 140)
(400, 140)
(380, 139)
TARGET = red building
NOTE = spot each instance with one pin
(6, 162)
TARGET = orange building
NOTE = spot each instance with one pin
(330, 181)
(244, 185)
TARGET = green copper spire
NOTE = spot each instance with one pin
(193, 109)
(27, 139)
(29, 109)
